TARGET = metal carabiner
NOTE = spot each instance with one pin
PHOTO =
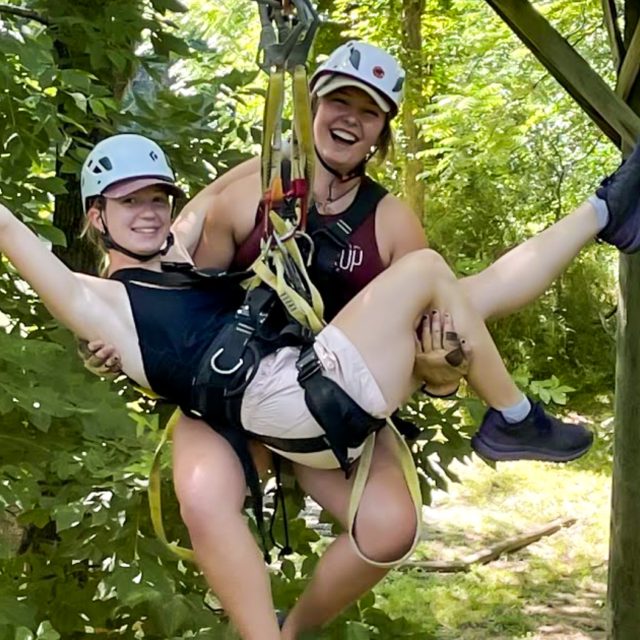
(295, 32)
(224, 372)
(309, 18)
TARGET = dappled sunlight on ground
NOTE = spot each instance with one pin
(552, 589)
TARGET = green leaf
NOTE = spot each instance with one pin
(357, 631)
(170, 615)
(76, 79)
(288, 569)
(67, 516)
(49, 232)
(168, 5)
(97, 106)
(80, 99)
(17, 613)
(47, 632)
(22, 633)
(165, 43)
(75, 123)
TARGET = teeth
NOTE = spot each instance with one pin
(345, 136)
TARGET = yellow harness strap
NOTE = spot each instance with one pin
(360, 481)
(308, 314)
(154, 492)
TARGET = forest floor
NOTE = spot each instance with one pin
(552, 589)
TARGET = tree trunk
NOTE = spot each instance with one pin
(624, 551)
(413, 61)
(68, 212)
(68, 215)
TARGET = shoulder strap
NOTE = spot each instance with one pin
(179, 275)
(365, 203)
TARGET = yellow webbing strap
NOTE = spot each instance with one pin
(360, 481)
(303, 150)
(154, 492)
(307, 314)
(271, 155)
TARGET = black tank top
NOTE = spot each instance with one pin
(175, 326)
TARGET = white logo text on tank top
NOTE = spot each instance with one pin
(350, 258)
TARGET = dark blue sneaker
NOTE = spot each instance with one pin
(538, 437)
(621, 192)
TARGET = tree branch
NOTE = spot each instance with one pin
(514, 543)
(613, 31)
(630, 66)
(612, 115)
(24, 13)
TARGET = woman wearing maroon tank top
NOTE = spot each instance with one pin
(356, 93)
(350, 120)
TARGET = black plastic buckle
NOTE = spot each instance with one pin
(308, 364)
(336, 235)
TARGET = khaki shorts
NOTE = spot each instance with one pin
(274, 406)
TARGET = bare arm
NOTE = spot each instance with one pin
(190, 223)
(66, 294)
(229, 221)
(398, 230)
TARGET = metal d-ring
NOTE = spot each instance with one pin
(224, 372)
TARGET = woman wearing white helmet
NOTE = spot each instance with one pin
(165, 325)
(107, 173)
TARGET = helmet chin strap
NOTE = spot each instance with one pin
(110, 243)
(357, 171)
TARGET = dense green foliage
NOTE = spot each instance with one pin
(504, 153)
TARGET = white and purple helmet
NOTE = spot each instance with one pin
(365, 66)
(122, 164)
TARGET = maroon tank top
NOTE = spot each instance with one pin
(351, 267)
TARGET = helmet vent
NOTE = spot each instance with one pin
(103, 164)
(354, 58)
(398, 84)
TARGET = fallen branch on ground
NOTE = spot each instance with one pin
(488, 554)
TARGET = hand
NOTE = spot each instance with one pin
(442, 358)
(100, 358)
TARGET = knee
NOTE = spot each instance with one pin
(431, 263)
(207, 501)
(196, 501)
(387, 532)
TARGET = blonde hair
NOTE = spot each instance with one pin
(94, 236)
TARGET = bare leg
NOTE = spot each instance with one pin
(524, 273)
(390, 307)
(210, 485)
(385, 529)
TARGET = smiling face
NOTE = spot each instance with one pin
(347, 124)
(139, 221)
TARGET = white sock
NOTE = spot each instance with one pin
(517, 412)
(602, 213)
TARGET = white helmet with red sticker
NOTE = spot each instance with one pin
(365, 66)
